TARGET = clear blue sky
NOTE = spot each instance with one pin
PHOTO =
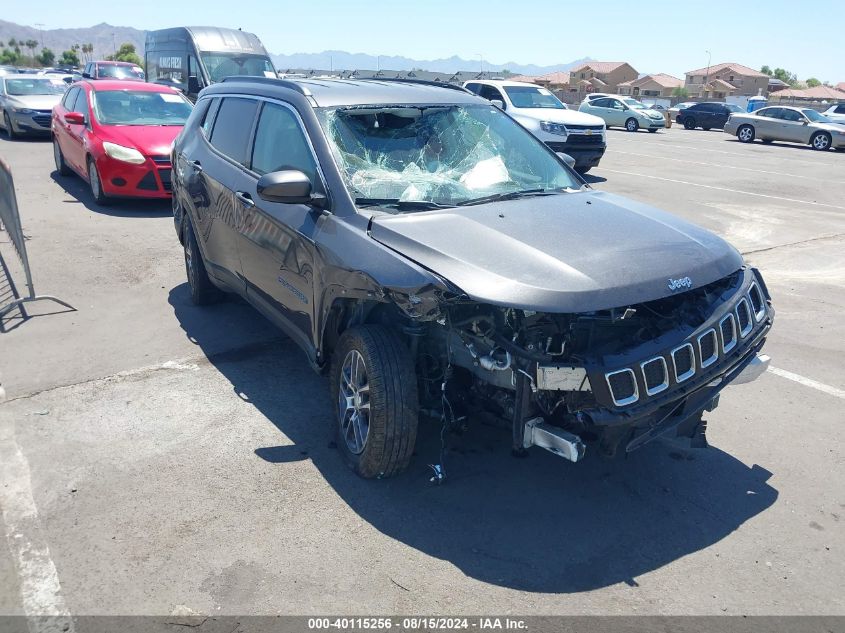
(654, 36)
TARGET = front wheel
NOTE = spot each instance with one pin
(10, 131)
(97, 192)
(689, 123)
(821, 141)
(745, 133)
(631, 125)
(374, 387)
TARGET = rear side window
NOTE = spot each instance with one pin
(473, 88)
(840, 109)
(490, 93)
(771, 113)
(280, 143)
(208, 116)
(232, 127)
(600, 103)
(81, 103)
(70, 98)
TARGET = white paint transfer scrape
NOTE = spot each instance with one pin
(41, 593)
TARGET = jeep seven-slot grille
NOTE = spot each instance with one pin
(656, 375)
(623, 386)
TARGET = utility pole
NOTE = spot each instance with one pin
(481, 58)
(707, 76)
(114, 44)
(40, 28)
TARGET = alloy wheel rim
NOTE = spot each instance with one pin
(189, 261)
(820, 142)
(632, 126)
(354, 402)
(745, 134)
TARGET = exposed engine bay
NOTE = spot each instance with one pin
(526, 368)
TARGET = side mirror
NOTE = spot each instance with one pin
(498, 103)
(289, 186)
(566, 158)
(86, 75)
(193, 85)
(75, 118)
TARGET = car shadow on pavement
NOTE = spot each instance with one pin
(78, 189)
(539, 524)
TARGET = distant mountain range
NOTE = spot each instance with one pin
(106, 38)
(341, 60)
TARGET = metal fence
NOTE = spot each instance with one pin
(10, 222)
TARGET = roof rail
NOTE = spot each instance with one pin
(422, 82)
(282, 83)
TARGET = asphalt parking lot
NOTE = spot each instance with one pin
(159, 458)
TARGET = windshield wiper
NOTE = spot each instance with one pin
(508, 195)
(401, 205)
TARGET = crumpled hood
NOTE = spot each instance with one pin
(575, 252)
(35, 102)
(555, 115)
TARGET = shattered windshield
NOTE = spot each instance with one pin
(417, 157)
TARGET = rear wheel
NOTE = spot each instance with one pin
(632, 125)
(689, 123)
(706, 129)
(374, 387)
(58, 157)
(96, 184)
(821, 141)
(745, 133)
(203, 291)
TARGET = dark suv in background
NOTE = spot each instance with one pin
(707, 115)
(438, 260)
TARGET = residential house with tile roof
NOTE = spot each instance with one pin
(657, 85)
(726, 80)
(600, 77)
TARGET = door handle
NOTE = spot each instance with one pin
(245, 198)
(196, 165)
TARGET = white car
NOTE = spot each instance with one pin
(836, 113)
(624, 111)
(581, 136)
(675, 109)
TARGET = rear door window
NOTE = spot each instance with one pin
(232, 127)
(600, 103)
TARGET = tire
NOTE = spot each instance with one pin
(745, 134)
(632, 125)
(203, 292)
(58, 157)
(373, 376)
(821, 141)
(10, 131)
(689, 123)
(96, 185)
(706, 129)
(652, 130)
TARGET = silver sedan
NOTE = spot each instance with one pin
(784, 123)
(26, 103)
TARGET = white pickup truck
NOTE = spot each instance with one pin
(580, 135)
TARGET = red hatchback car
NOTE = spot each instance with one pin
(117, 136)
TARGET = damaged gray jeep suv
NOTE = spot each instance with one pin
(438, 261)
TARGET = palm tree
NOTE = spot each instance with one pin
(31, 45)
